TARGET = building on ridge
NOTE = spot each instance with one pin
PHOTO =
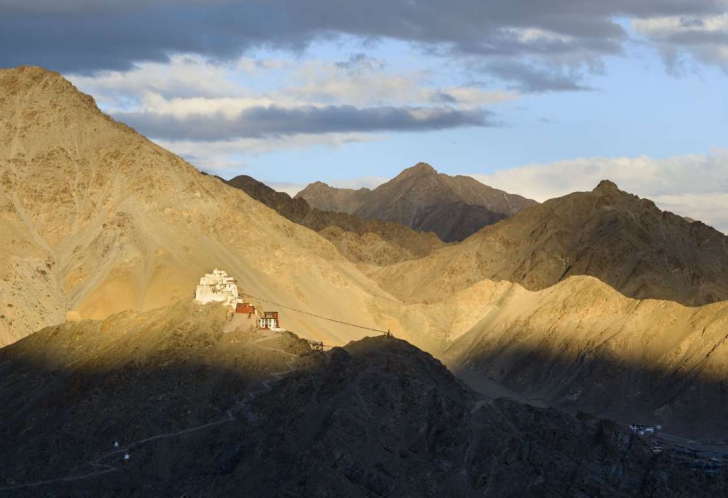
(218, 287)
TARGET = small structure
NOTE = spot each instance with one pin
(269, 320)
(218, 287)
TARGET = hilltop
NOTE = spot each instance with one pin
(454, 207)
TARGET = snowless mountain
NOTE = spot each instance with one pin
(454, 207)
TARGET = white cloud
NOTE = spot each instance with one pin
(190, 84)
(705, 37)
(225, 157)
(692, 185)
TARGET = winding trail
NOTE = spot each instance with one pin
(229, 417)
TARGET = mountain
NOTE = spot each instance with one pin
(97, 219)
(326, 198)
(206, 413)
(624, 241)
(361, 241)
(454, 207)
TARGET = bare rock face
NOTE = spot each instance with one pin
(420, 197)
(372, 242)
(625, 241)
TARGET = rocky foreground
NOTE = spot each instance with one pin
(203, 413)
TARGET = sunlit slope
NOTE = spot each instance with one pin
(98, 219)
(624, 241)
(581, 344)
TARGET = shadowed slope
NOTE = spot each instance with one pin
(378, 417)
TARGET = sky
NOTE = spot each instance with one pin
(537, 97)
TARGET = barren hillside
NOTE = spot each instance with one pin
(98, 219)
(205, 413)
(625, 241)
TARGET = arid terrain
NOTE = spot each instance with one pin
(588, 312)
(100, 220)
(624, 241)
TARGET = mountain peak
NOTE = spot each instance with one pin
(419, 169)
(606, 186)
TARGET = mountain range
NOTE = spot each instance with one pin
(622, 240)
(454, 207)
(586, 312)
(373, 242)
(97, 219)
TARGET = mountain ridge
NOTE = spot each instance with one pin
(370, 242)
(200, 414)
(624, 240)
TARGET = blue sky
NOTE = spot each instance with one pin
(534, 96)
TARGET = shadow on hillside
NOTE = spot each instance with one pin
(62, 420)
(685, 401)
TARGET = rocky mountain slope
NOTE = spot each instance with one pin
(454, 207)
(625, 241)
(97, 219)
(190, 405)
(361, 241)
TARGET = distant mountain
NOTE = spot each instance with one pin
(342, 200)
(625, 241)
(206, 413)
(361, 241)
(454, 207)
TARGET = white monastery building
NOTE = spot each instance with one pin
(218, 287)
